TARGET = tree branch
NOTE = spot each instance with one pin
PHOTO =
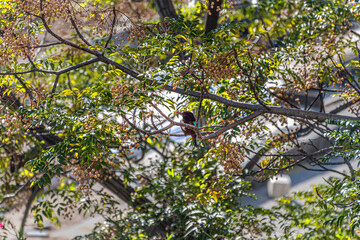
(35, 191)
(232, 125)
(20, 189)
(78, 31)
(47, 45)
(112, 28)
(246, 106)
(29, 93)
(320, 116)
(62, 71)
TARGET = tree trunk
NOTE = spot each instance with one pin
(213, 15)
(165, 8)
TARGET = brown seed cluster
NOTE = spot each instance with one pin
(19, 36)
(48, 9)
(233, 149)
(221, 67)
(15, 45)
(230, 151)
(121, 91)
(138, 33)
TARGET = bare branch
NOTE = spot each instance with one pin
(132, 125)
(352, 31)
(62, 71)
(248, 106)
(266, 31)
(322, 170)
(78, 32)
(112, 28)
(29, 93)
(145, 132)
(20, 189)
(55, 83)
(35, 191)
(64, 41)
(232, 125)
(39, 49)
(48, 45)
(351, 169)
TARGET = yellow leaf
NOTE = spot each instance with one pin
(66, 92)
(268, 21)
(181, 36)
(94, 94)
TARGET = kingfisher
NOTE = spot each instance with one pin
(188, 118)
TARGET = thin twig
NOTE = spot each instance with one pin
(112, 28)
(232, 125)
(77, 29)
(29, 93)
(20, 189)
(352, 31)
(55, 84)
(39, 50)
(145, 132)
(47, 45)
(266, 31)
(351, 169)
(62, 71)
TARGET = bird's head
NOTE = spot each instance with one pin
(188, 117)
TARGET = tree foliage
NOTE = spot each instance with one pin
(89, 91)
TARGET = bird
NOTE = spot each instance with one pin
(188, 118)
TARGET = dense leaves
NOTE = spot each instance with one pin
(89, 95)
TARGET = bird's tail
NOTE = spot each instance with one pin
(193, 136)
